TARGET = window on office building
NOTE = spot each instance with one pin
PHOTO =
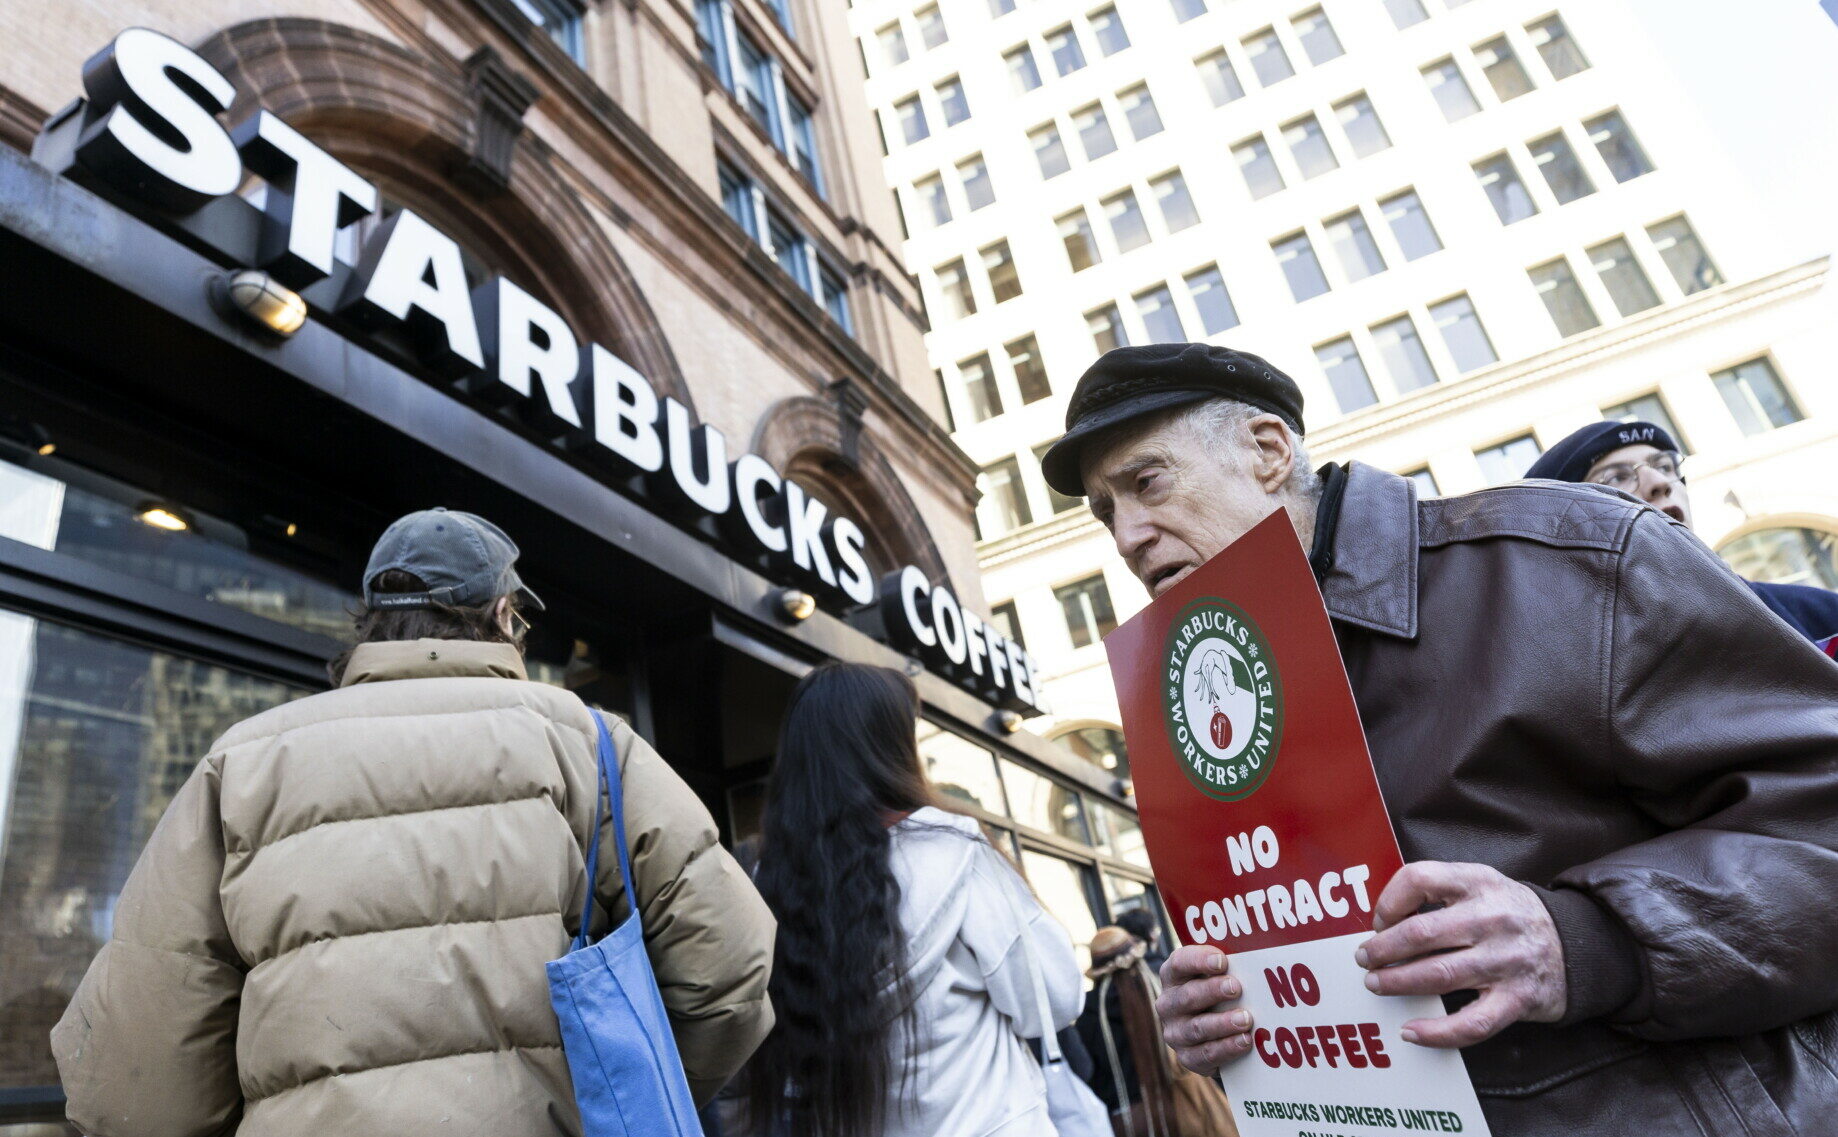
(802, 138)
(1139, 111)
(1030, 372)
(1058, 502)
(1423, 480)
(1685, 257)
(561, 20)
(1207, 290)
(1185, 10)
(1319, 42)
(935, 207)
(952, 101)
(1365, 133)
(1086, 605)
(1410, 224)
(1268, 59)
(1106, 328)
(1450, 89)
(1296, 255)
(1508, 461)
(1502, 68)
(1556, 48)
(1049, 150)
(892, 41)
(954, 287)
(1626, 281)
(1460, 327)
(1093, 127)
(1128, 227)
(1005, 498)
(979, 377)
(999, 265)
(1500, 179)
(1178, 210)
(1063, 45)
(911, 113)
(1353, 245)
(1406, 13)
(1346, 374)
(1647, 408)
(1563, 297)
(753, 82)
(790, 249)
(1159, 318)
(737, 199)
(1616, 144)
(1258, 166)
(979, 190)
(931, 26)
(1007, 621)
(1219, 77)
(1000, 8)
(835, 297)
(1755, 395)
(1308, 145)
(1081, 243)
(1107, 29)
(1403, 354)
(1562, 172)
(1022, 69)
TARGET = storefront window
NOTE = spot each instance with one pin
(1785, 556)
(1121, 835)
(1102, 746)
(1068, 892)
(108, 524)
(96, 736)
(960, 769)
(1045, 804)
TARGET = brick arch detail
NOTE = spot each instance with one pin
(397, 116)
(802, 437)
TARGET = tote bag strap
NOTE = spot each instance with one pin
(607, 763)
(1049, 1038)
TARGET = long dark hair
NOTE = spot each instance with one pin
(847, 765)
(440, 622)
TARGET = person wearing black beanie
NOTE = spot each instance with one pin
(1641, 459)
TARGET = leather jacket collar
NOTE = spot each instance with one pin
(1367, 559)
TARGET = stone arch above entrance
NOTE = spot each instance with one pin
(424, 129)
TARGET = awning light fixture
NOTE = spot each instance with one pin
(265, 300)
(161, 515)
(795, 604)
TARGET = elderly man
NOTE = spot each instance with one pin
(1616, 781)
(1641, 458)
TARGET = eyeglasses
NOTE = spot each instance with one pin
(1625, 476)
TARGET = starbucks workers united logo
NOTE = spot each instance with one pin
(1223, 699)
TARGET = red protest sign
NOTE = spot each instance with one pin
(1259, 806)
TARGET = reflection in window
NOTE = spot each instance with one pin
(1755, 395)
(1647, 408)
(1128, 227)
(1556, 48)
(1353, 245)
(96, 736)
(1450, 89)
(1122, 835)
(999, 264)
(954, 286)
(1030, 372)
(1563, 297)
(1178, 210)
(1406, 13)
(1049, 151)
(1106, 327)
(1296, 255)
(1425, 483)
(980, 385)
(1221, 80)
(1022, 70)
(1504, 189)
(1109, 31)
(1462, 333)
(1785, 556)
(1086, 606)
(979, 190)
(1319, 42)
(1102, 746)
(1211, 300)
(1406, 361)
(911, 114)
(1005, 499)
(96, 520)
(1503, 69)
(1258, 165)
(953, 101)
(1063, 45)
(1616, 144)
(1268, 59)
(931, 26)
(1309, 146)
(1081, 242)
(1684, 255)
(1626, 281)
(1159, 318)
(1043, 803)
(1562, 172)
(960, 769)
(1139, 111)
(1005, 620)
(1069, 894)
(936, 206)
(1363, 129)
(1410, 224)
(1346, 374)
(1094, 131)
(1508, 461)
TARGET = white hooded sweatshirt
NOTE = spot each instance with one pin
(963, 909)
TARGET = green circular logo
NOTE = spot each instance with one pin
(1222, 698)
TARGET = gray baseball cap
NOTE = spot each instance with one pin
(465, 560)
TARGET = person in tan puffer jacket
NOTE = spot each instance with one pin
(341, 923)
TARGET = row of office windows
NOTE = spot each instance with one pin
(1615, 268)
(1309, 146)
(757, 81)
(893, 45)
(1564, 174)
(1407, 360)
(789, 247)
(1091, 124)
(1752, 392)
(1084, 605)
(1065, 49)
(1501, 64)
(1356, 245)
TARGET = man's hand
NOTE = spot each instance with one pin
(1489, 934)
(1197, 1021)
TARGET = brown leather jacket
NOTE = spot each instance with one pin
(1565, 684)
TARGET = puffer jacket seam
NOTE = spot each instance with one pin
(224, 743)
(253, 1099)
(285, 837)
(340, 937)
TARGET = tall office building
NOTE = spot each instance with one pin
(1465, 228)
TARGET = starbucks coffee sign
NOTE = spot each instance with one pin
(1223, 699)
(149, 133)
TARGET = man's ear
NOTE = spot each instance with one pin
(501, 612)
(1276, 454)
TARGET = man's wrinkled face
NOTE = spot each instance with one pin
(1666, 494)
(1173, 499)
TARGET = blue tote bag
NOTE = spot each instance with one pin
(628, 1078)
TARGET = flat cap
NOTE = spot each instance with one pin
(1569, 460)
(1128, 383)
